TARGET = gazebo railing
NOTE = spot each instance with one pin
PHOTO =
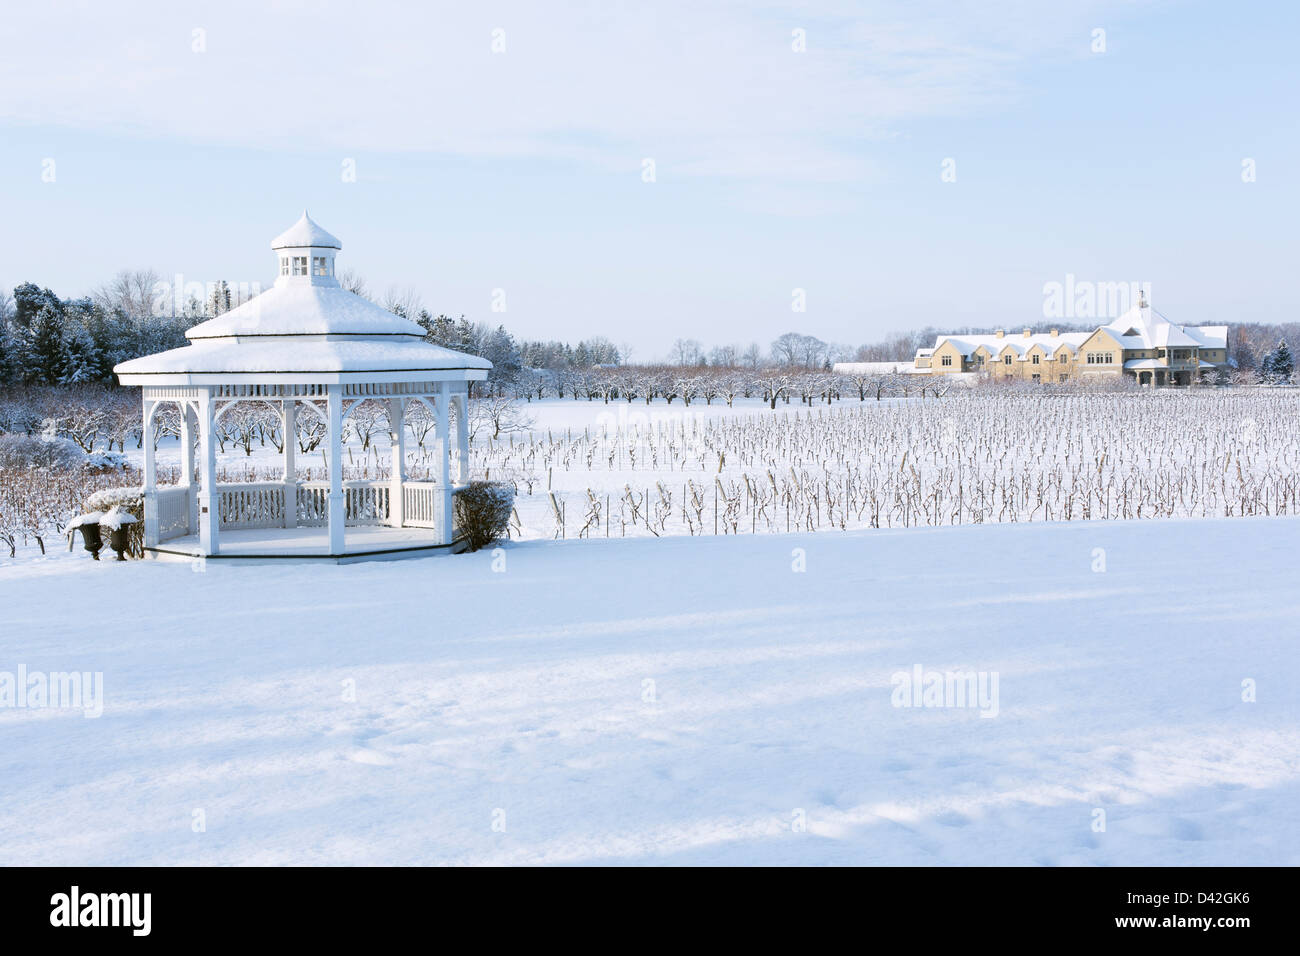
(420, 504)
(252, 505)
(262, 504)
(173, 512)
(364, 503)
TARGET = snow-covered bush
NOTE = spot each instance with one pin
(37, 451)
(106, 461)
(482, 512)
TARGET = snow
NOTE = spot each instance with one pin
(680, 700)
(90, 517)
(115, 517)
(875, 368)
(305, 308)
(1154, 331)
(304, 233)
(291, 354)
(1019, 343)
(307, 541)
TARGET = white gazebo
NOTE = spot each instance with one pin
(304, 341)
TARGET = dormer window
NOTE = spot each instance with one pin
(320, 265)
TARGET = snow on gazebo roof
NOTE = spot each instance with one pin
(306, 323)
(289, 308)
(303, 234)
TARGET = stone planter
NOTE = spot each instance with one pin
(117, 540)
(91, 539)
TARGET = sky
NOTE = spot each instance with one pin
(647, 172)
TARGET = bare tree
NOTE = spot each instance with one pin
(403, 302)
(131, 292)
(352, 281)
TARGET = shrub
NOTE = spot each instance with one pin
(35, 451)
(482, 512)
(105, 461)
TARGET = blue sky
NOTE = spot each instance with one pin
(521, 170)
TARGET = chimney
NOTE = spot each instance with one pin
(1026, 333)
(999, 333)
(1055, 332)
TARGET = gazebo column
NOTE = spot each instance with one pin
(336, 511)
(289, 427)
(209, 500)
(150, 489)
(189, 423)
(397, 437)
(445, 522)
(462, 437)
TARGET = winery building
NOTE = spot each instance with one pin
(1141, 343)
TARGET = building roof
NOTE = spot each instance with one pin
(303, 234)
(1019, 343)
(304, 324)
(1142, 327)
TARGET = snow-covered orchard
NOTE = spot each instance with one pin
(602, 468)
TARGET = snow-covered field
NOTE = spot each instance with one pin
(629, 469)
(672, 701)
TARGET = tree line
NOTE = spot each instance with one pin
(48, 340)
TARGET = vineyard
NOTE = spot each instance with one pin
(968, 459)
(971, 457)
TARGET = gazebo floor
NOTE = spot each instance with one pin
(309, 544)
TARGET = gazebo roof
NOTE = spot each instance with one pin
(305, 324)
(305, 309)
(326, 356)
(305, 233)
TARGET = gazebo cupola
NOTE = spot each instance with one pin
(306, 345)
(306, 253)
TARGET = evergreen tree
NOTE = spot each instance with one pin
(42, 348)
(1281, 365)
(29, 299)
(6, 354)
(81, 357)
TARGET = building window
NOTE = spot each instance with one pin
(1065, 378)
(1006, 360)
(1038, 378)
(1035, 360)
(320, 265)
(1101, 358)
(284, 265)
(1064, 358)
(947, 360)
(300, 265)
